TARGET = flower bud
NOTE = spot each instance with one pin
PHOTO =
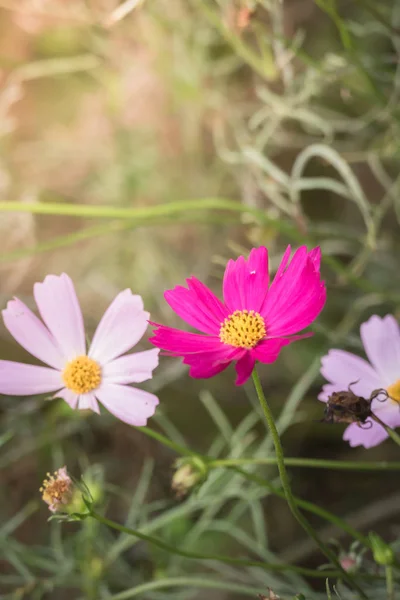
(348, 563)
(382, 552)
(190, 472)
(271, 596)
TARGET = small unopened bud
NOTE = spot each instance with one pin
(270, 596)
(58, 490)
(190, 472)
(348, 563)
(382, 552)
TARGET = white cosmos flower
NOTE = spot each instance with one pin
(81, 377)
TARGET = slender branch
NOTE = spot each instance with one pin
(389, 582)
(235, 463)
(288, 492)
(312, 463)
(198, 556)
(308, 506)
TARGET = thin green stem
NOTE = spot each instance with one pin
(198, 556)
(147, 212)
(307, 506)
(287, 489)
(313, 463)
(182, 450)
(236, 463)
(391, 432)
(145, 216)
(389, 582)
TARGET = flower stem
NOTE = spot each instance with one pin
(234, 465)
(391, 432)
(288, 492)
(389, 582)
(198, 556)
(312, 463)
(307, 506)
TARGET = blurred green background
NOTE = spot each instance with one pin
(289, 112)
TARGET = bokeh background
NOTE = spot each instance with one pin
(289, 112)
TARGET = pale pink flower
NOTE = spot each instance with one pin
(381, 340)
(81, 378)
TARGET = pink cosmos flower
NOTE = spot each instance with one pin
(381, 340)
(255, 320)
(81, 378)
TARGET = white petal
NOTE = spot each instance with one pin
(69, 396)
(381, 339)
(59, 308)
(88, 402)
(121, 327)
(128, 404)
(131, 368)
(31, 334)
(342, 368)
(17, 379)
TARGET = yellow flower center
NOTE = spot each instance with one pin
(243, 329)
(56, 488)
(82, 375)
(394, 391)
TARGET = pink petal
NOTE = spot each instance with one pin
(31, 334)
(198, 306)
(381, 339)
(328, 389)
(122, 326)
(296, 296)
(69, 396)
(207, 364)
(245, 282)
(88, 402)
(315, 256)
(342, 368)
(357, 436)
(388, 411)
(59, 308)
(128, 404)
(17, 379)
(268, 350)
(132, 368)
(244, 368)
(180, 342)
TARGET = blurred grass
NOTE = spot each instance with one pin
(140, 145)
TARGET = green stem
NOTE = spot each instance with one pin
(146, 212)
(182, 450)
(389, 582)
(144, 215)
(234, 464)
(313, 463)
(308, 506)
(391, 432)
(198, 556)
(288, 492)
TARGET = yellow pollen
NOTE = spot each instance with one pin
(56, 488)
(394, 391)
(243, 329)
(82, 375)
